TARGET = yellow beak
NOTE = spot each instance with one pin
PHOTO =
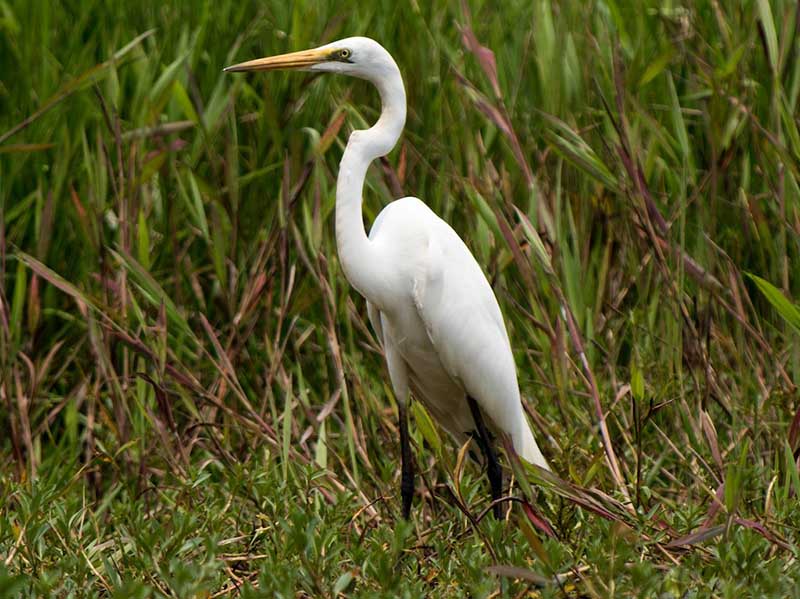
(293, 60)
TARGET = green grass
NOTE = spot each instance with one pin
(193, 403)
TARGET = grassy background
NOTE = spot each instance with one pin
(192, 401)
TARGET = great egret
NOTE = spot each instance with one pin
(428, 300)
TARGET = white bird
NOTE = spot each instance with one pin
(428, 300)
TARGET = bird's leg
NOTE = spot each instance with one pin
(493, 471)
(407, 466)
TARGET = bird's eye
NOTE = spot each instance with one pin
(344, 53)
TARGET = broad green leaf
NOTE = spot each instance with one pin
(426, 426)
(143, 244)
(789, 311)
(768, 25)
(182, 99)
(637, 382)
(153, 292)
(56, 280)
(166, 79)
(18, 301)
(342, 583)
(656, 67)
(572, 146)
(677, 120)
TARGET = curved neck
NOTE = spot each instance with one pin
(360, 258)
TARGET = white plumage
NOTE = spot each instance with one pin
(428, 300)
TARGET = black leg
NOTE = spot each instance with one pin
(493, 471)
(407, 466)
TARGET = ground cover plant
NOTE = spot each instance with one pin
(193, 403)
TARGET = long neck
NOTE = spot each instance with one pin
(359, 257)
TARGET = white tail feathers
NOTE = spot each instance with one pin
(525, 445)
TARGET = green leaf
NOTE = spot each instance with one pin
(790, 126)
(765, 16)
(426, 426)
(536, 242)
(154, 293)
(731, 62)
(637, 382)
(678, 123)
(56, 280)
(342, 583)
(321, 450)
(182, 99)
(198, 207)
(18, 301)
(789, 311)
(484, 210)
(143, 240)
(656, 67)
(792, 476)
(166, 79)
(286, 438)
(572, 146)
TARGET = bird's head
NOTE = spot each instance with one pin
(359, 57)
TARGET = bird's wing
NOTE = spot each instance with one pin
(460, 312)
(463, 320)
